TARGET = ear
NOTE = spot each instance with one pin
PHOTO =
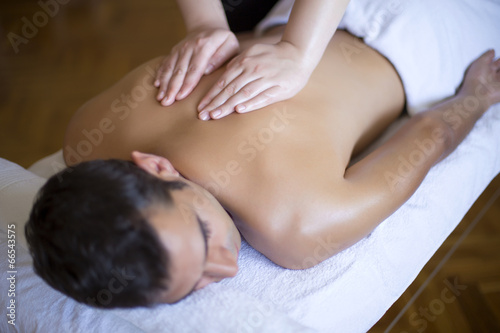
(156, 165)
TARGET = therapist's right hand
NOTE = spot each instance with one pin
(200, 53)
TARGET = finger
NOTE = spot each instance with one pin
(496, 64)
(235, 102)
(242, 87)
(488, 55)
(228, 77)
(243, 95)
(160, 71)
(194, 73)
(178, 75)
(263, 99)
(227, 50)
(496, 69)
(164, 75)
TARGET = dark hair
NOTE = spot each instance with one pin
(89, 237)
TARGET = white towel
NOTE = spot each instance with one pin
(429, 42)
(350, 291)
(347, 293)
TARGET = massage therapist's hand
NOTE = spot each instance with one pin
(262, 75)
(201, 52)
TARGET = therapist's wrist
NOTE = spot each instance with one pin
(304, 60)
(207, 25)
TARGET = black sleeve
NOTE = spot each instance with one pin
(243, 15)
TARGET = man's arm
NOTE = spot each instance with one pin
(380, 183)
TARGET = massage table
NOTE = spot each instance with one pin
(349, 292)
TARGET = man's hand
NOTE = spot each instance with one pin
(262, 75)
(201, 52)
(482, 79)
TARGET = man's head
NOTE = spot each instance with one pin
(124, 234)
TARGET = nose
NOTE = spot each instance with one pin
(205, 281)
(220, 264)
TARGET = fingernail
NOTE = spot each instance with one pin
(157, 83)
(165, 101)
(216, 113)
(161, 95)
(240, 108)
(204, 116)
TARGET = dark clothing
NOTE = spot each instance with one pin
(243, 15)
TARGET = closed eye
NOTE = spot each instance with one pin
(205, 229)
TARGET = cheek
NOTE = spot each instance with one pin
(201, 202)
(231, 236)
(222, 233)
(212, 212)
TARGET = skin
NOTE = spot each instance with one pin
(283, 172)
(208, 44)
(259, 76)
(201, 266)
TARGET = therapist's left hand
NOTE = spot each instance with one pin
(262, 75)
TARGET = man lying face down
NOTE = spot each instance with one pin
(154, 199)
(106, 221)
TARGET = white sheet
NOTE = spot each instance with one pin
(347, 293)
(429, 42)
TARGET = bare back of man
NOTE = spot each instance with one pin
(282, 170)
(268, 167)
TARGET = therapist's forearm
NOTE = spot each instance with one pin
(312, 24)
(199, 14)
